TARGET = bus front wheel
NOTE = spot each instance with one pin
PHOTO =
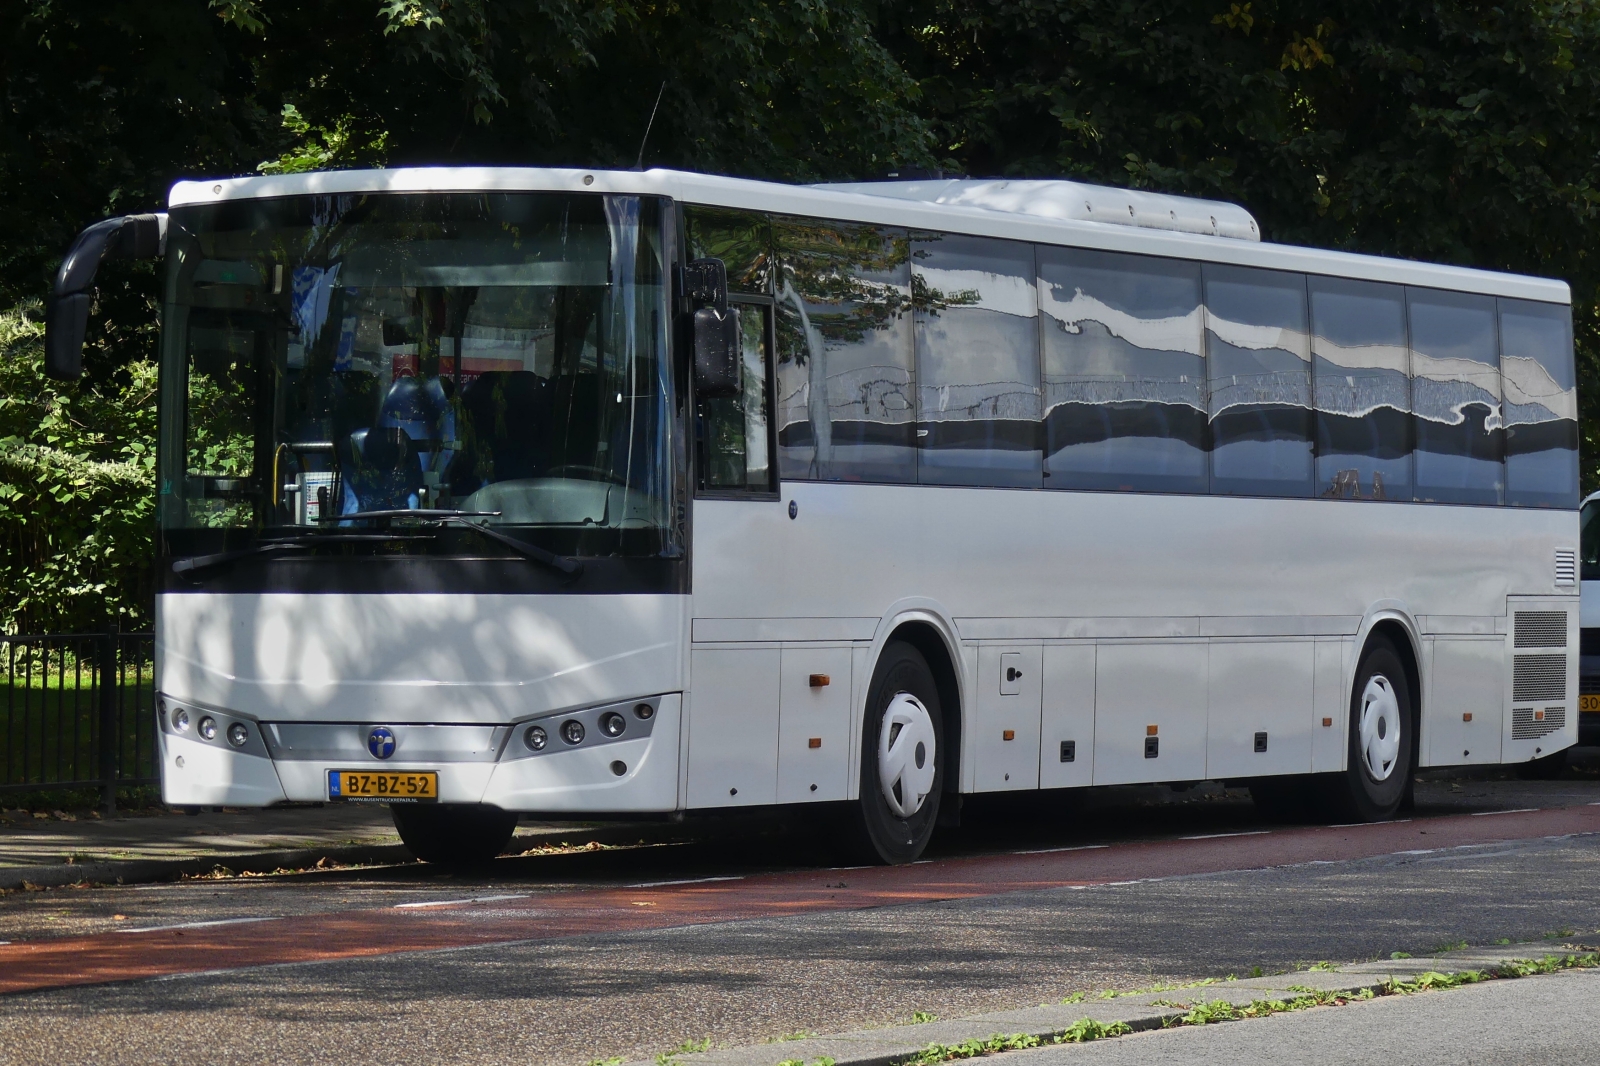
(1379, 758)
(902, 771)
(452, 834)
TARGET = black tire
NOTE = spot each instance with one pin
(452, 834)
(880, 834)
(1358, 794)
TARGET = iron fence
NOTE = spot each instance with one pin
(77, 711)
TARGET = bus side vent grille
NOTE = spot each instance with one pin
(1566, 568)
(1539, 677)
(1541, 629)
(1531, 723)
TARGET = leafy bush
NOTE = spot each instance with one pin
(77, 487)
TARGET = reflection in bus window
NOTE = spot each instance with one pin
(1258, 365)
(1123, 373)
(1362, 389)
(741, 239)
(1541, 404)
(734, 429)
(1455, 395)
(977, 361)
(845, 400)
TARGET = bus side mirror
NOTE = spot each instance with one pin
(716, 330)
(67, 307)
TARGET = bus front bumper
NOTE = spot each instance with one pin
(606, 769)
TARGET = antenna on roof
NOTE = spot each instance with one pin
(638, 164)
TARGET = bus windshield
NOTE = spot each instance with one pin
(501, 354)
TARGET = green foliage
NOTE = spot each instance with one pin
(688, 1047)
(77, 469)
(1085, 1029)
(322, 148)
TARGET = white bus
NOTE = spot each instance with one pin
(584, 493)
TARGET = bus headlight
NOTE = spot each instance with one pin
(207, 728)
(238, 734)
(180, 721)
(535, 738)
(612, 724)
(572, 731)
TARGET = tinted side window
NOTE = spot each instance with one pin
(1258, 366)
(1455, 394)
(741, 239)
(1541, 404)
(1123, 373)
(734, 431)
(977, 334)
(846, 407)
(1361, 389)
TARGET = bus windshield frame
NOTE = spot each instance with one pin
(504, 356)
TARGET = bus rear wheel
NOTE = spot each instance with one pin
(452, 834)
(902, 770)
(1382, 720)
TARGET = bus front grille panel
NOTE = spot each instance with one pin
(1539, 677)
(1531, 723)
(1541, 629)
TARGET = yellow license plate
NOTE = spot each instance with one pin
(384, 786)
(1589, 701)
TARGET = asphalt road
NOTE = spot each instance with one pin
(1546, 1020)
(635, 989)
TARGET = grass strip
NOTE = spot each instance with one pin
(1221, 1010)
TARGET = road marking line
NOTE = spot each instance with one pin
(1359, 825)
(1518, 810)
(453, 902)
(198, 925)
(703, 880)
(1219, 836)
(1417, 851)
(1048, 851)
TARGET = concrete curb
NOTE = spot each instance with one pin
(138, 871)
(892, 1045)
(141, 871)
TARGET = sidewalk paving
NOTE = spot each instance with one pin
(1142, 1012)
(159, 844)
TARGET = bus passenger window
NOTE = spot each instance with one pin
(1123, 375)
(1361, 389)
(1258, 364)
(845, 402)
(1455, 394)
(735, 433)
(1541, 404)
(977, 334)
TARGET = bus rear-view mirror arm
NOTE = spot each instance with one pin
(67, 308)
(716, 330)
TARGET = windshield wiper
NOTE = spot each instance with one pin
(415, 512)
(304, 540)
(521, 547)
(448, 516)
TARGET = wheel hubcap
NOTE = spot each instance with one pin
(1380, 727)
(905, 754)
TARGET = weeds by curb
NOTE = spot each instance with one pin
(1221, 1010)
